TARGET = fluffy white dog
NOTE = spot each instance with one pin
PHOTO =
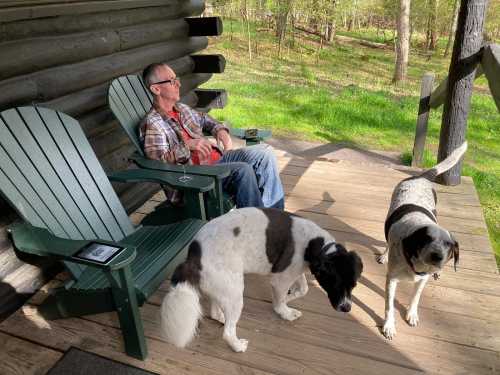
(261, 241)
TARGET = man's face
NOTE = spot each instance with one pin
(168, 91)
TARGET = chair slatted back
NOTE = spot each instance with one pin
(130, 101)
(51, 176)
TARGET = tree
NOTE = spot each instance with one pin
(282, 10)
(245, 16)
(403, 41)
(464, 61)
(432, 25)
(331, 25)
(453, 28)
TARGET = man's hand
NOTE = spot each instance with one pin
(203, 146)
(224, 137)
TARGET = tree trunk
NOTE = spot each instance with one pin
(433, 25)
(331, 24)
(281, 18)
(331, 30)
(463, 65)
(403, 42)
(249, 38)
(453, 28)
(320, 45)
(353, 14)
(230, 22)
(314, 21)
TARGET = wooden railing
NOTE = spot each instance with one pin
(429, 99)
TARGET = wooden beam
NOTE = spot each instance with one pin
(50, 10)
(138, 35)
(31, 55)
(83, 101)
(491, 67)
(439, 94)
(55, 82)
(36, 54)
(192, 81)
(80, 102)
(204, 26)
(78, 23)
(464, 61)
(422, 120)
(209, 63)
(209, 99)
(189, 99)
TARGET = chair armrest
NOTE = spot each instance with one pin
(39, 241)
(198, 183)
(217, 171)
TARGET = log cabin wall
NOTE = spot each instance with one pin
(63, 55)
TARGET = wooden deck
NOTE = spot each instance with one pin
(460, 322)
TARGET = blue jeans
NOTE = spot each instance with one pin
(254, 180)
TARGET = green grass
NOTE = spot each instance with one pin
(343, 93)
(369, 34)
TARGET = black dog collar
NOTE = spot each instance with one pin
(402, 211)
(397, 215)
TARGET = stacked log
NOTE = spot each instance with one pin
(63, 55)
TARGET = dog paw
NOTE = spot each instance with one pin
(412, 318)
(239, 345)
(381, 259)
(290, 314)
(389, 330)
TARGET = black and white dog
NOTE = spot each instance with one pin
(261, 241)
(417, 246)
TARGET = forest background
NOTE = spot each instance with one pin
(326, 70)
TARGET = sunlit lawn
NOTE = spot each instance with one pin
(343, 93)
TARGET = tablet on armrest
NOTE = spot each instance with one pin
(98, 252)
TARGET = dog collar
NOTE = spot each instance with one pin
(404, 210)
(328, 246)
(397, 215)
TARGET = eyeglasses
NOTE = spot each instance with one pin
(172, 81)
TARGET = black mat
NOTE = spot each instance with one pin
(78, 362)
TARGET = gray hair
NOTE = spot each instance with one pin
(149, 74)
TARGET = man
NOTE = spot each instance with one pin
(173, 132)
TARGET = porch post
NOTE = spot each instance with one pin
(464, 62)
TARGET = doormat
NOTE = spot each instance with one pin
(79, 362)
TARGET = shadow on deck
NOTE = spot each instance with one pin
(460, 324)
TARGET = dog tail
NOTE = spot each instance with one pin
(446, 164)
(181, 308)
(180, 313)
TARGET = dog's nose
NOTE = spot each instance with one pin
(436, 257)
(345, 307)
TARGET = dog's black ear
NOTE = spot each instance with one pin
(454, 251)
(313, 251)
(358, 264)
(416, 241)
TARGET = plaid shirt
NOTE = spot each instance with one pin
(161, 136)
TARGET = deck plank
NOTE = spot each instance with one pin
(460, 324)
(20, 357)
(322, 326)
(273, 352)
(437, 314)
(107, 341)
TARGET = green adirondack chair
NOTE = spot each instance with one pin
(51, 176)
(130, 100)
